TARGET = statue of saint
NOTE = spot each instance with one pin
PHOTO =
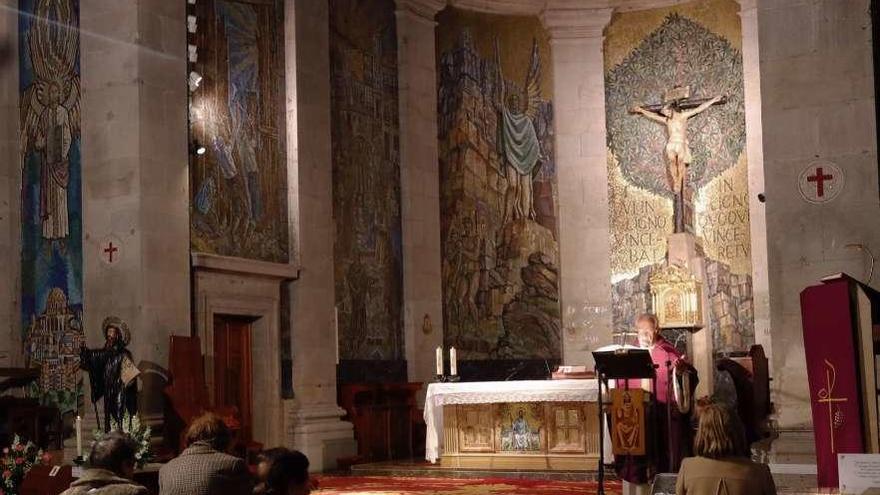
(112, 373)
(674, 114)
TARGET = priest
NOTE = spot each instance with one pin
(672, 418)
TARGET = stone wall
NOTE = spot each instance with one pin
(817, 101)
(10, 190)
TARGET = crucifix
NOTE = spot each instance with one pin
(675, 110)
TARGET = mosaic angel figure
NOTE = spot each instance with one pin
(50, 108)
(519, 142)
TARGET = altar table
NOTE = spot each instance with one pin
(530, 424)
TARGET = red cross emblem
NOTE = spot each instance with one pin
(821, 182)
(110, 250)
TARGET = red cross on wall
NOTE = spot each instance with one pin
(820, 179)
(110, 250)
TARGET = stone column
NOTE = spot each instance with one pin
(135, 178)
(312, 421)
(419, 184)
(755, 155)
(582, 178)
(10, 189)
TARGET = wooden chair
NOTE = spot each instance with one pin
(751, 378)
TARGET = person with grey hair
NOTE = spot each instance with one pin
(110, 468)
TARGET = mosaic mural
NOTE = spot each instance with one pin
(366, 179)
(51, 197)
(239, 186)
(500, 256)
(647, 54)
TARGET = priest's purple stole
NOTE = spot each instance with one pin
(833, 372)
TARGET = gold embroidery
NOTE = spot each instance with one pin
(826, 396)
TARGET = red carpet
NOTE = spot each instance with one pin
(381, 485)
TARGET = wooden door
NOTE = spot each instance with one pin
(232, 368)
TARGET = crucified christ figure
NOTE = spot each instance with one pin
(675, 114)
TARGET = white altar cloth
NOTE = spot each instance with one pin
(440, 394)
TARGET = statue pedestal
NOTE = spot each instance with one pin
(684, 250)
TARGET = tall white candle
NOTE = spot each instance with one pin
(453, 362)
(79, 440)
(439, 361)
(336, 330)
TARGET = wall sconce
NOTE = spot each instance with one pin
(192, 53)
(198, 148)
(191, 24)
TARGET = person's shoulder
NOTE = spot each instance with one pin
(130, 489)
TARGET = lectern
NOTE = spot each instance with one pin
(617, 362)
(840, 320)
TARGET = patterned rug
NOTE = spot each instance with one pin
(381, 485)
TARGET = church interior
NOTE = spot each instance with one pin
(440, 246)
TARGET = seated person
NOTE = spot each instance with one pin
(289, 474)
(111, 466)
(264, 464)
(719, 466)
(204, 467)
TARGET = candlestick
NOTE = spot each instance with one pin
(439, 361)
(453, 362)
(79, 444)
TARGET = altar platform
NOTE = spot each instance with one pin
(416, 468)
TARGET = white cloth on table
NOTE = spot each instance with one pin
(440, 394)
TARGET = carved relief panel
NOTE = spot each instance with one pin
(476, 429)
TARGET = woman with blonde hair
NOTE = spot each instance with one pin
(719, 468)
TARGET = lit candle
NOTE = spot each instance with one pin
(453, 362)
(79, 439)
(439, 361)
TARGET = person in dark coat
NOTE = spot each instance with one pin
(204, 467)
(288, 475)
(111, 466)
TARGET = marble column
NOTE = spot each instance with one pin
(419, 184)
(582, 178)
(135, 178)
(10, 189)
(312, 418)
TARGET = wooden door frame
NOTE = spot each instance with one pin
(223, 297)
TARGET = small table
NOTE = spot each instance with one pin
(529, 424)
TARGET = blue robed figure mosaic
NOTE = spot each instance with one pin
(51, 196)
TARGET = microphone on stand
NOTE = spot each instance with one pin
(549, 373)
(516, 370)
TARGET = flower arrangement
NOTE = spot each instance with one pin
(138, 431)
(17, 460)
